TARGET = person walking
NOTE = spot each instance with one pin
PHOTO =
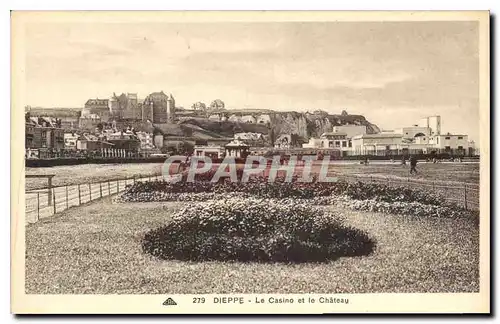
(413, 164)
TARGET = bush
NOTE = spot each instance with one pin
(413, 208)
(252, 229)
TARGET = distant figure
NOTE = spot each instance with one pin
(413, 164)
(403, 160)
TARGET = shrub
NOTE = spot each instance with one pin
(258, 186)
(252, 229)
(413, 208)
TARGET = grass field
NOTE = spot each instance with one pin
(75, 174)
(95, 249)
(441, 172)
(85, 173)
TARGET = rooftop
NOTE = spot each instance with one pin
(395, 135)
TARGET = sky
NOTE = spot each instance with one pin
(393, 73)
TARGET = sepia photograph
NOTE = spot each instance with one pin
(256, 159)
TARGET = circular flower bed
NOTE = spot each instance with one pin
(260, 230)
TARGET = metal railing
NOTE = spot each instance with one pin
(43, 203)
(64, 197)
(463, 194)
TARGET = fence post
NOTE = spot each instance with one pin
(67, 203)
(109, 189)
(134, 179)
(117, 186)
(465, 195)
(100, 188)
(54, 200)
(49, 190)
(37, 206)
(79, 196)
(90, 192)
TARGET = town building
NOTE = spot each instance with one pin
(159, 108)
(378, 144)
(350, 130)
(89, 122)
(252, 139)
(332, 140)
(44, 133)
(432, 122)
(237, 149)
(70, 140)
(449, 142)
(146, 139)
(125, 106)
(213, 152)
(99, 107)
(127, 141)
(91, 143)
(287, 141)
(68, 117)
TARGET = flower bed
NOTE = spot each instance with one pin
(413, 208)
(258, 186)
(352, 195)
(252, 229)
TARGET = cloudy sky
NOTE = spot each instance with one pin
(394, 73)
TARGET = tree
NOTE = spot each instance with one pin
(200, 106)
(185, 148)
(217, 104)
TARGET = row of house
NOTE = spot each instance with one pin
(422, 138)
(45, 137)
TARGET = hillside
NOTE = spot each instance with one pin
(305, 125)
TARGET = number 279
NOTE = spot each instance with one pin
(198, 300)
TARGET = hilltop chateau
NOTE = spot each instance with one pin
(157, 107)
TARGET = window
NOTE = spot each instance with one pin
(424, 138)
(460, 147)
(44, 139)
(447, 148)
(447, 138)
(350, 144)
(344, 144)
(337, 143)
(460, 137)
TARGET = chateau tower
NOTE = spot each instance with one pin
(170, 109)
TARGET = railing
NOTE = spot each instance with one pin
(43, 203)
(462, 194)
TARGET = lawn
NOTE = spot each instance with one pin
(96, 249)
(439, 172)
(85, 173)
